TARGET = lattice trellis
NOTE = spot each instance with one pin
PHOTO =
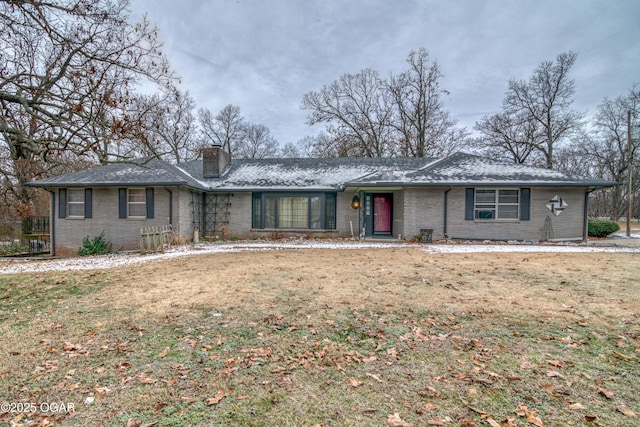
(216, 212)
(210, 212)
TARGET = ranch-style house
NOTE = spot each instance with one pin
(462, 196)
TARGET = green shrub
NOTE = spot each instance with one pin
(602, 227)
(97, 246)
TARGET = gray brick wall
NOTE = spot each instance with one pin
(122, 233)
(240, 215)
(413, 209)
(566, 226)
(424, 208)
(397, 227)
(183, 214)
(345, 216)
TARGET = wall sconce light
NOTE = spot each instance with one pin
(355, 202)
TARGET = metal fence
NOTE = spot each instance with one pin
(36, 231)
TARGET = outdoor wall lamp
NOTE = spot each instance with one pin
(355, 202)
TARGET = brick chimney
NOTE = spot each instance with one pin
(214, 161)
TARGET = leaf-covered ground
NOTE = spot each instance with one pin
(365, 337)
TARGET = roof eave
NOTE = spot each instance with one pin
(589, 184)
(108, 184)
(274, 189)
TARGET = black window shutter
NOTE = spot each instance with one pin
(525, 204)
(468, 205)
(330, 211)
(88, 211)
(122, 203)
(62, 203)
(150, 203)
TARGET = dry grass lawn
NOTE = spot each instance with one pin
(393, 336)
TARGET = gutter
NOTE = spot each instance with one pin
(170, 206)
(52, 223)
(107, 184)
(599, 184)
(446, 199)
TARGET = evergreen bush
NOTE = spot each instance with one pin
(96, 246)
(602, 227)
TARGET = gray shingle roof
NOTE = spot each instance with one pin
(140, 172)
(301, 174)
(324, 174)
(466, 169)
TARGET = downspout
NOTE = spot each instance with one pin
(52, 224)
(446, 204)
(170, 206)
(585, 218)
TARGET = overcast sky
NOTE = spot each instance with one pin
(264, 55)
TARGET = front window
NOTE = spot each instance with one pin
(75, 203)
(294, 211)
(497, 204)
(137, 203)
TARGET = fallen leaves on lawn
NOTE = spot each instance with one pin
(555, 363)
(354, 383)
(285, 383)
(606, 393)
(138, 423)
(216, 399)
(553, 374)
(394, 420)
(374, 376)
(531, 416)
(144, 378)
(626, 411)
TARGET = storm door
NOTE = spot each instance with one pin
(382, 213)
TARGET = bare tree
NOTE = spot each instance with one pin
(508, 135)
(257, 143)
(368, 116)
(291, 151)
(546, 99)
(419, 115)
(320, 145)
(68, 72)
(227, 128)
(357, 111)
(172, 126)
(608, 147)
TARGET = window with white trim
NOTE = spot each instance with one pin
(496, 204)
(75, 203)
(137, 203)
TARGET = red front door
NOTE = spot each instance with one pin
(382, 213)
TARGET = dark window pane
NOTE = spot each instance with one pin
(315, 212)
(256, 216)
(270, 212)
(293, 212)
(330, 211)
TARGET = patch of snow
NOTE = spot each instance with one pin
(285, 176)
(15, 266)
(623, 235)
(557, 248)
(484, 167)
(122, 260)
